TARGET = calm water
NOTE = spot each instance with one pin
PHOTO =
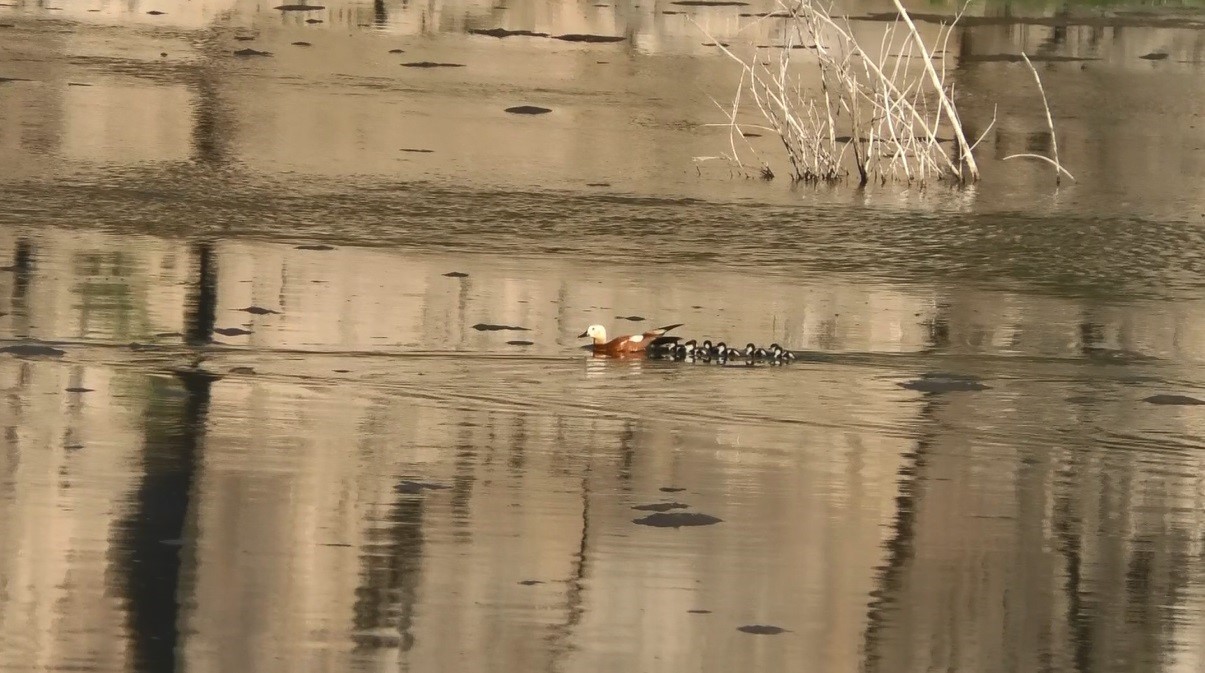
(357, 479)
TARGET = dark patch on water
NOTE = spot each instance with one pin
(231, 331)
(660, 506)
(252, 52)
(313, 20)
(72, 447)
(301, 43)
(671, 489)
(32, 350)
(750, 135)
(944, 383)
(761, 629)
(670, 12)
(334, 544)
(78, 84)
(397, 51)
(316, 246)
(502, 32)
(456, 274)
(341, 371)
(155, 12)
(8, 25)
(244, 38)
(79, 390)
(677, 520)
(258, 310)
(527, 110)
(530, 583)
(1016, 58)
(416, 150)
(486, 327)
(168, 335)
(520, 342)
(1174, 400)
(13, 79)
(431, 64)
(298, 8)
(1154, 56)
(633, 318)
(598, 184)
(715, 44)
(413, 487)
(242, 370)
(588, 38)
(699, 612)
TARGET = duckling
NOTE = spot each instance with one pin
(688, 348)
(754, 353)
(780, 354)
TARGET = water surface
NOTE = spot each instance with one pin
(961, 472)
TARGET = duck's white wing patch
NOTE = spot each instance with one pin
(636, 338)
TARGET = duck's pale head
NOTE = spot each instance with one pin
(596, 332)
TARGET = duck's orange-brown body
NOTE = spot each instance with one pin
(630, 344)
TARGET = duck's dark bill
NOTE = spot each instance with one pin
(583, 335)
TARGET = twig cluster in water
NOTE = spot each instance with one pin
(879, 110)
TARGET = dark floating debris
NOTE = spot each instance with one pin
(671, 12)
(456, 274)
(413, 487)
(502, 32)
(750, 135)
(258, 310)
(244, 38)
(33, 350)
(397, 51)
(231, 331)
(486, 327)
(242, 370)
(633, 318)
(416, 149)
(660, 506)
(155, 12)
(73, 447)
(431, 64)
(715, 44)
(944, 383)
(710, 3)
(79, 390)
(677, 520)
(315, 246)
(252, 52)
(598, 184)
(301, 43)
(341, 371)
(313, 20)
(527, 110)
(520, 342)
(1154, 56)
(334, 544)
(1175, 400)
(761, 629)
(671, 489)
(699, 612)
(78, 84)
(14, 79)
(298, 8)
(530, 583)
(578, 37)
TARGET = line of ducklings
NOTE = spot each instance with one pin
(722, 353)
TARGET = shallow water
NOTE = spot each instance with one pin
(968, 468)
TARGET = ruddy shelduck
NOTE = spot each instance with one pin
(629, 344)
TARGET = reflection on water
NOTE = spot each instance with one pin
(256, 454)
(313, 490)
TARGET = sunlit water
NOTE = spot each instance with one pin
(969, 467)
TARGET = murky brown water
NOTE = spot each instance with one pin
(359, 480)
